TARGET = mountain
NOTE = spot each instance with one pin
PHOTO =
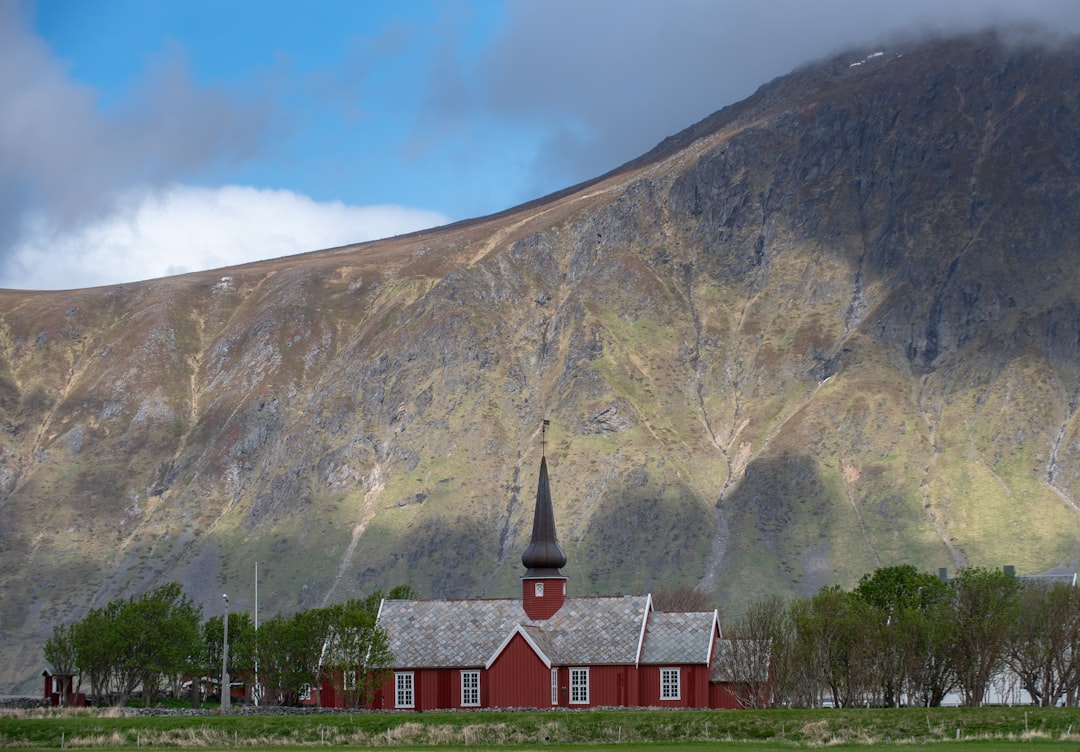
(832, 327)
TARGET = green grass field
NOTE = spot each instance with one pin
(961, 729)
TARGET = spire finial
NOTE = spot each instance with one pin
(543, 437)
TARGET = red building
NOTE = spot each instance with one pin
(60, 690)
(548, 650)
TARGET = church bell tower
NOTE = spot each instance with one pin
(543, 586)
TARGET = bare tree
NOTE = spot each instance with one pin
(746, 659)
(683, 598)
(984, 608)
(1044, 645)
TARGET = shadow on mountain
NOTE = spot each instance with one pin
(439, 556)
(641, 538)
(780, 522)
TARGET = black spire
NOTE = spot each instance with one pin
(544, 555)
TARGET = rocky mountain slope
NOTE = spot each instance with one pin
(833, 327)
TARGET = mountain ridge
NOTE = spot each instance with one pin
(828, 328)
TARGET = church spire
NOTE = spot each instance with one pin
(544, 555)
(543, 586)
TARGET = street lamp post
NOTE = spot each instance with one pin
(225, 660)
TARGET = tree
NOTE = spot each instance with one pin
(357, 651)
(162, 630)
(984, 607)
(929, 672)
(1043, 647)
(683, 598)
(342, 642)
(902, 600)
(241, 646)
(834, 633)
(61, 654)
(137, 642)
(290, 650)
(96, 646)
(748, 656)
(795, 660)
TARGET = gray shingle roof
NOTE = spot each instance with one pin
(466, 633)
(679, 637)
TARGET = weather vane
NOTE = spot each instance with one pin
(543, 437)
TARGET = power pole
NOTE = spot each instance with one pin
(225, 660)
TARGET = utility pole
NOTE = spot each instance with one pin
(257, 693)
(225, 660)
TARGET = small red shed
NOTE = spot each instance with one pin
(60, 690)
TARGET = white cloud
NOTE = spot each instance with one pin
(160, 232)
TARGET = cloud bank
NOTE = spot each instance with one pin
(96, 190)
(162, 232)
(94, 193)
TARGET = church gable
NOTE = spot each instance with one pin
(534, 640)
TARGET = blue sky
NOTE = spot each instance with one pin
(142, 138)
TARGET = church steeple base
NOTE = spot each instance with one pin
(542, 597)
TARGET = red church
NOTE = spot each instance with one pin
(546, 650)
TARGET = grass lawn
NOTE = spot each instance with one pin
(961, 729)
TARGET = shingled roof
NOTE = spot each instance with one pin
(586, 631)
(680, 637)
(464, 633)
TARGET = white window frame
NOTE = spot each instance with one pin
(305, 693)
(538, 589)
(579, 686)
(670, 684)
(348, 680)
(404, 689)
(554, 685)
(470, 689)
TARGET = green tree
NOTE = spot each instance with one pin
(834, 636)
(241, 646)
(96, 647)
(143, 641)
(158, 636)
(290, 649)
(357, 652)
(342, 643)
(61, 654)
(926, 633)
(902, 604)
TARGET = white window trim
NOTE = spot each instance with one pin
(404, 690)
(579, 674)
(665, 687)
(470, 688)
(348, 682)
(554, 685)
(538, 589)
(305, 692)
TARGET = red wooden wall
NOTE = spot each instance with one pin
(693, 692)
